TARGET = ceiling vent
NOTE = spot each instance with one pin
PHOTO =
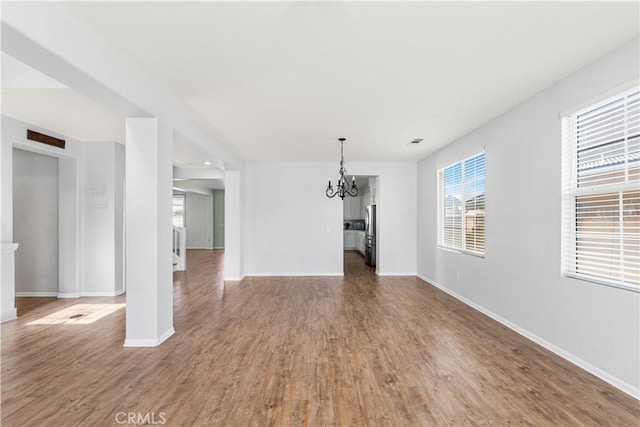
(45, 139)
(416, 141)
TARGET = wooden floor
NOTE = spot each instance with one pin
(294, 351)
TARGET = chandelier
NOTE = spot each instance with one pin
(343, 188)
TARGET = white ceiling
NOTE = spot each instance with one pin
(35, 98)
(283, 80)
(213, 184)
(65, 112)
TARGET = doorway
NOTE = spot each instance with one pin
(360, 226)
(45, 223)
(35, 223)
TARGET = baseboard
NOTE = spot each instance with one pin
(37, 294)
(101, 293)
(199, 248)
(233, 278)
(151, 342)
(68, 295)
(295, 274)
(603, 375)
(91, 294)
(402, 274)
(7, 315)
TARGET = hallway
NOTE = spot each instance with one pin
(358, 350)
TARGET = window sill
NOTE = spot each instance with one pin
(604, 282)
(461, 251)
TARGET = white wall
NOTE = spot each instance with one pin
(292, 228)
(14, 135)
(234, 227)
(35, 223)
(6, 183)
(84, 266)
(68, 226)
(7, 252)
(397, 209)
(199, 221)
(218, 219)
(101, 196)
(118, 203)
(519, 279)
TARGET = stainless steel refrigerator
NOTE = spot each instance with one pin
(370, 235)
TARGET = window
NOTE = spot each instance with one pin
(178, 210)
(462, 219)
(601, 192)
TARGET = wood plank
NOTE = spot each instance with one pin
(297, 351)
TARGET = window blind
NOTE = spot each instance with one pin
(462, 211)
(601, 192)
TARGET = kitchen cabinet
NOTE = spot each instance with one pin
(360, 241)
(354, 241)
(356, 207)
(346, 208)
(349, 240)
(352, 207)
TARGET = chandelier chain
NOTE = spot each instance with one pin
(342, 188)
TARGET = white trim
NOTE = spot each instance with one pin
(589, 256)
(232, 278)
(602, 281)
(10, 247)
(603, 375)
(149, 342)
(101, 293)
(392, 273)
(37, 294)
(8, 315)
(441, 200)
(461, 251)
(605, 96)
(68, 295)
(199, 248)
(90, 294)
(474, 153)
(289, 274)
(45, 150)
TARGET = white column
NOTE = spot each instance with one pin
(7, 248)
(8, 288)
(233, 256)
(149, 279)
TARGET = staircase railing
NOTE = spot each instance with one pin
(179, 248)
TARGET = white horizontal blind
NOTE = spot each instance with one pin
(462, 211)
(601, 192)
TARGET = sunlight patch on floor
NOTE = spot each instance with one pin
(78, 314)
